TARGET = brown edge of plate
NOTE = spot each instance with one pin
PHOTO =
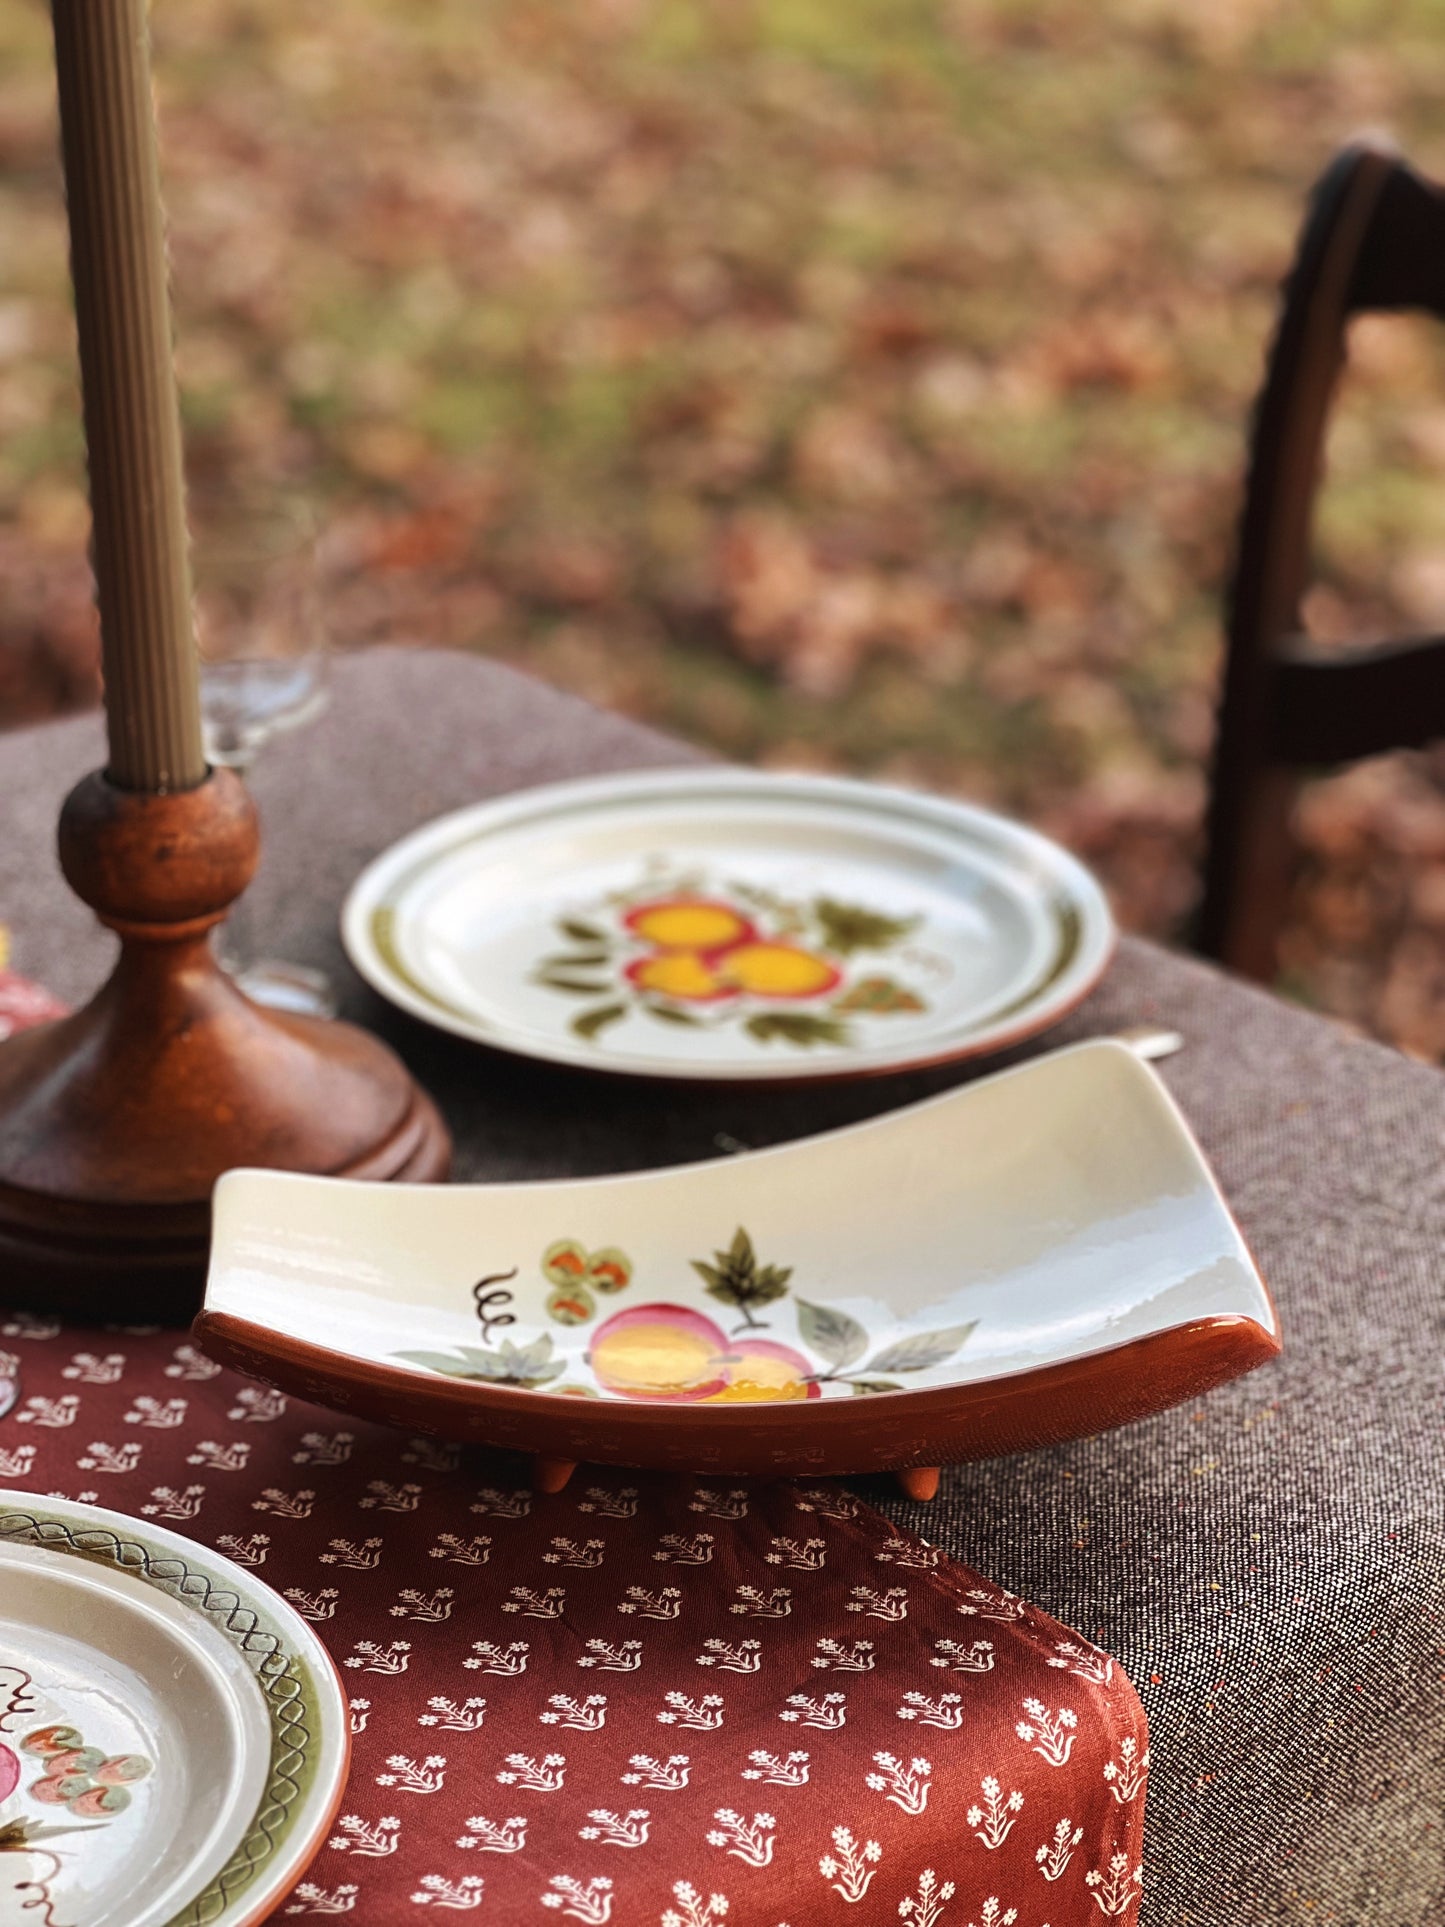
(944, 1424)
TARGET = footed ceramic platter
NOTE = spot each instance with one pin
(730, 924)
(1036, 1256)
(173, 1739)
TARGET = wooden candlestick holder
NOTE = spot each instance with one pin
(115, 1122)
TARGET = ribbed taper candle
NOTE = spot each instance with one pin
(132, 420)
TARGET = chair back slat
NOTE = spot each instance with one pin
(1373, 238)
(1330, 709)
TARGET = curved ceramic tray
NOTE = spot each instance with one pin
(730, 924)
(173, 1738)
(1036, 1256)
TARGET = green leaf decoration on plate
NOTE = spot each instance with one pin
(878, 997)
(921, 1349)
(581, 932)
(670, 1014)
(509, 1364)
(840, 1339)
(798, 1027)
(555, 980)
(736, 1278)
(591, 1023)
(848, 927)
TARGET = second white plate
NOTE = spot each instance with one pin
(173, 1738)
(730, 924)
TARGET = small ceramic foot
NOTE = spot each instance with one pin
(550, 1475)
(918, 1481)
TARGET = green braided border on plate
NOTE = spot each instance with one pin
(282, 1677)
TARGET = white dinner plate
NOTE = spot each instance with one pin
(173, 1738)
(730, 924)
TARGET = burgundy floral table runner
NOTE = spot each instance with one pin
(643, 1700)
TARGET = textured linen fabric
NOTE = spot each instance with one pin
(624, 1700)
(1269, 1564)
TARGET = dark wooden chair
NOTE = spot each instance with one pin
(1373, 240)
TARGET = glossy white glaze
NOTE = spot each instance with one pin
(1061, 1208)
(457, 923)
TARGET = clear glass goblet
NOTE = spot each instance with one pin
(260, 622)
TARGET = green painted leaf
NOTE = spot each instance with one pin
(592, 1021)
(878, 996)
(796, 1027)
(736, 1278)
(583, 960)
(863, 1386)
(848, 927)
(670, 1014)
(832, 1333)
(579, 931)
(462, 1363)
(554, 981)
(510, 1364)
(921, 1349)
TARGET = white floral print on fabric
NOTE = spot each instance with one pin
(687, 1697)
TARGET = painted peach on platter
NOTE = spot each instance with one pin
(9, 1772)
(777, 970)
(684, 974)
(659, 1352)
(688, 923)
(761, 1371)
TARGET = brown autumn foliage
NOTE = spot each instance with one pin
(856, 387)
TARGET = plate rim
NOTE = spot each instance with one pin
(320, 1795)
(1094, 950)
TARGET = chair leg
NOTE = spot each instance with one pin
(1248, 876)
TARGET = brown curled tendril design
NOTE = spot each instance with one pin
(20, 1702)
(38, 1889)
(483, 1299)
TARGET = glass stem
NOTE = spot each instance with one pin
(231, 943)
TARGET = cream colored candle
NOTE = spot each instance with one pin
(132, 422)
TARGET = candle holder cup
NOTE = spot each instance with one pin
(116, 1121)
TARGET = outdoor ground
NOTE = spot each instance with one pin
(846, 383)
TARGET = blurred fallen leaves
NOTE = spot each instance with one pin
(861, 388)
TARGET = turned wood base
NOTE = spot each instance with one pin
(115, 1122)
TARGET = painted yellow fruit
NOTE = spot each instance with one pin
(688, 923)
(777, 970)
(679, 973)
(759, 1371)
(659, 1351)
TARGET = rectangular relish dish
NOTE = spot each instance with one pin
(1031, 1257)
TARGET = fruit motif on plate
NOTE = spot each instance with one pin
(770, 968)
(90, 1782)
(575, 1274)
(664, 1352)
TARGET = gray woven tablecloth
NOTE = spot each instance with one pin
(1268, 1564)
